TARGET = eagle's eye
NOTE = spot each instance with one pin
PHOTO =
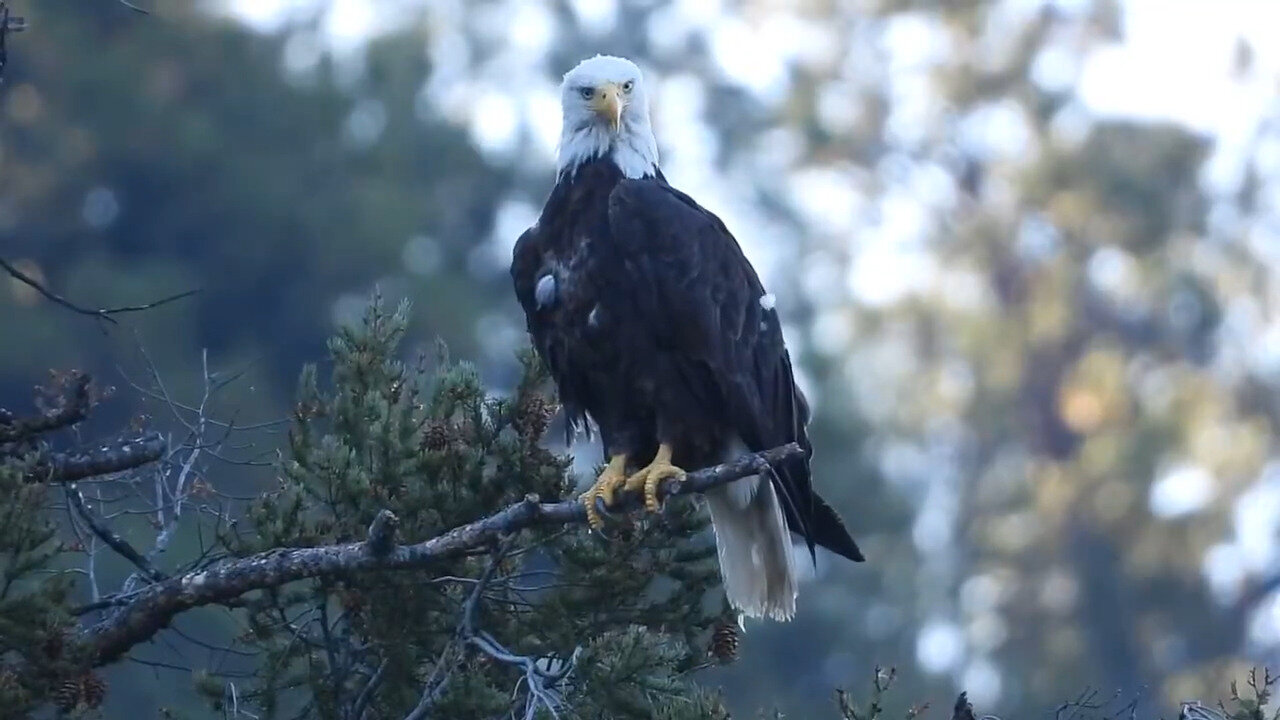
(626, 86)
(586, 92)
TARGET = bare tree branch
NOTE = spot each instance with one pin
(80, 464)
(134, 8)
(452, 655)
(8, 24)
(366, 695)
(108, 536)
(154, 607)
(73, 410)
(1090, 703)
(100, 313)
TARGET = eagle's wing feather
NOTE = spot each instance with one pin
(702, 301)
(526, 257)
(527, 266)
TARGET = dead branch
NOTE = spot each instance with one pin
(152, 608)
(98, 527)
(8, 24)
(100, 313)
(366, 695)
(540, 676)
(881, 683)
(452, 655)
(1091, 703)
(127, 454)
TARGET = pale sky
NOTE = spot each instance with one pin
(1175, 63)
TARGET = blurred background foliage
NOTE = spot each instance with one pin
(1042, 341)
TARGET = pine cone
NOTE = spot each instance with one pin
(92, 690)
(436, 436)
(88, 691)
(308, 409)
(724, 641)
(534, 415)
(67, 696)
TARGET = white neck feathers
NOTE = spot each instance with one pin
(633, 148)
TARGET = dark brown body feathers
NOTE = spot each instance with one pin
(653, 326)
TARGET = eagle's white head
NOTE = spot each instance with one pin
(606, 113)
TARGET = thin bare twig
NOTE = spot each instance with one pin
(100, 313)
(541, 681)
(1090, 703)
(8, 24)
(540, 676)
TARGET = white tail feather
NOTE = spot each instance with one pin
(754, 546)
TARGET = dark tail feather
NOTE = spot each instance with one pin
(829, 531)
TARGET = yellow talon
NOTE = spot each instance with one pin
(651, 477)
(604, 488)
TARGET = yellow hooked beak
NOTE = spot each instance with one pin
(607, 103)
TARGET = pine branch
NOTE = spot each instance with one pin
(154, 607)
(122, 455)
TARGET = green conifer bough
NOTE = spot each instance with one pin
(547, 619)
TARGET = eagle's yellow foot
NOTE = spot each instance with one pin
(613, 477)
(649, 478)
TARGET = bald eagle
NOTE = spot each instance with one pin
(655, 327)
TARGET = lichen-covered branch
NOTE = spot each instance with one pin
(127, 454)
(154, 607)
